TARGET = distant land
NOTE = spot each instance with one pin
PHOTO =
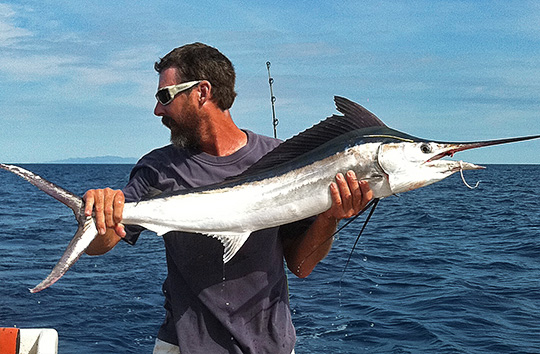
(98, 160)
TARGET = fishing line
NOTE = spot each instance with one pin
(368, 205)
(463, 177)
(375, 203)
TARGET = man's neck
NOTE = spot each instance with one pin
(221, 137)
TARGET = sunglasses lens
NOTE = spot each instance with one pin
(166, 94)
(163, 96)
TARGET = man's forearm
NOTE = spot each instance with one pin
(304, 253)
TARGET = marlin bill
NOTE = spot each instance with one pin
(288, 184)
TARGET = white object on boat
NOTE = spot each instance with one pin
(30, 340)
(39, 341)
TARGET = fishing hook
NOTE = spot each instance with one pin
(463, 177)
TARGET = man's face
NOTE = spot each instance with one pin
(181, 115)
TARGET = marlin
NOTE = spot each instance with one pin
(288, 184)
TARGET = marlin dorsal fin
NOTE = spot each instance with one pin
(353, 111)
(354, 117)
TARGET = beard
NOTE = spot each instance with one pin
(184, 135)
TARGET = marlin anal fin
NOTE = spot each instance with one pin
(232, 242)
(85, 234)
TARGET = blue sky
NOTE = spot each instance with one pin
(77, 79)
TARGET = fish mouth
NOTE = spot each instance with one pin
(452, 166)
(451, 148)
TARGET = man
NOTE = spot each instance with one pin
(211, 307)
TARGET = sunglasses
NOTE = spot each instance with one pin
(166, 94)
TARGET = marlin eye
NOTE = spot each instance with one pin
(426, 148)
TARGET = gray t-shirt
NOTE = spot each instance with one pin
(238, 307)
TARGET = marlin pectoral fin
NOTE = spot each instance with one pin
(85, 234)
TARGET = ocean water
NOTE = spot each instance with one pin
(443, 269)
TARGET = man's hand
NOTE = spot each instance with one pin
(349, 196)
(107, 205)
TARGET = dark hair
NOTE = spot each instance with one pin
(198, 61)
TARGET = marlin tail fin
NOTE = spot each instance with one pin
(85, 233)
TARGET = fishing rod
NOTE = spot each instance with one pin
(275, 121)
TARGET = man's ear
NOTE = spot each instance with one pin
(205, 92)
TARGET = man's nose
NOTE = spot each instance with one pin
(158, 110)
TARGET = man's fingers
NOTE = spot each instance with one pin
(345, 193)
(119, 201)
(356, 193)
(349, 196)
(334, 193)
(120, 231)
(89, 202)
(99, 212)
(108, 208)
(367, 193)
